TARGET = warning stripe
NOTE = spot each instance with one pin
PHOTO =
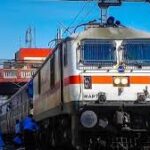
(107, 79)
(139, 79)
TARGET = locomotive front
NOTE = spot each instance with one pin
(110, 85)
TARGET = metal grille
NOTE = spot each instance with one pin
(123, 143)
(97, 51)
(137, 51)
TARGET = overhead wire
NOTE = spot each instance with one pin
(86, 15)
(67, 29)
(83, 18)
(75, 18)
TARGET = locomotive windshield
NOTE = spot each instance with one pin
(97, 51)
(137, 51)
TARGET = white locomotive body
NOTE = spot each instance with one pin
(95, 81)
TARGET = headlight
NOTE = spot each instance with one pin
(121, 81)
(88, 119)
(124, 81)
(117, 80)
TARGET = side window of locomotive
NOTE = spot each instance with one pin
(39, 82)
(65, 55)
(52, 71)
(97, 51)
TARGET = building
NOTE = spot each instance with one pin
(15, 73)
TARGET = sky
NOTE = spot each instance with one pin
(43, 16)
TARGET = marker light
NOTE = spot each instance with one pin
(88, 119)
(121, 68)
(110, 20)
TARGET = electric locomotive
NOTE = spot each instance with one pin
(93, 91)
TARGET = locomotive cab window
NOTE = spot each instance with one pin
(136, 51)
(97, 51)
(52, 71)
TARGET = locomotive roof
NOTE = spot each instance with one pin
(112, 33)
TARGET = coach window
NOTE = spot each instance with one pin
(65, 55)
(39, 82)
(52, 71)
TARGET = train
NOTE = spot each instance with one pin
(91, 93)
